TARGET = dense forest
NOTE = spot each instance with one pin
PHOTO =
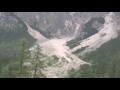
(21, 63)
(24, 63)
(104, 62)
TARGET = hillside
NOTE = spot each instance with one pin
(56, 44)
(105, 62)
(12, 29)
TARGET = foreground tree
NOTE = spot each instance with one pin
(23, 54)
(15, 67)
(37, 62)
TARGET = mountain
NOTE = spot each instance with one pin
(68, 35)
(12, 29)
(107, 32)
(58, 24)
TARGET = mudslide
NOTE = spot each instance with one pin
(57, 47)
(35, 34)
(67, 60)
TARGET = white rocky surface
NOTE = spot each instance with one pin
(56, 47)
(106, 33)
(67, 60)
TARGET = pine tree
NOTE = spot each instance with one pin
(22, 56)
(38, 62)
(15, 67)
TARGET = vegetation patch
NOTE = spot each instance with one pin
(73, 43)
(80, 50)
(105, 62)
(51, 61)
(89, 31)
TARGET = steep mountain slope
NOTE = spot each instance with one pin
(64, 34)
(88, 29)
(12, 29)
(58, 24)
(105, 62)
(35, 34)
(106, 33)
(57, 47)
(106, 51)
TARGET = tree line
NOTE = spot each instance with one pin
(24, 63)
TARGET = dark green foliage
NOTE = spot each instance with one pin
(73, 43)
(105, 62)
(22, 62)
(88, 26)
(90, 22)
(12, 66)
(52, 60)
(88, 29)
(23, 53)
(37, 63)
(55, 57)
(107, 50)
(80, 50)
(9, 39)
(12, 70)
(73, 74)
(9, 43)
